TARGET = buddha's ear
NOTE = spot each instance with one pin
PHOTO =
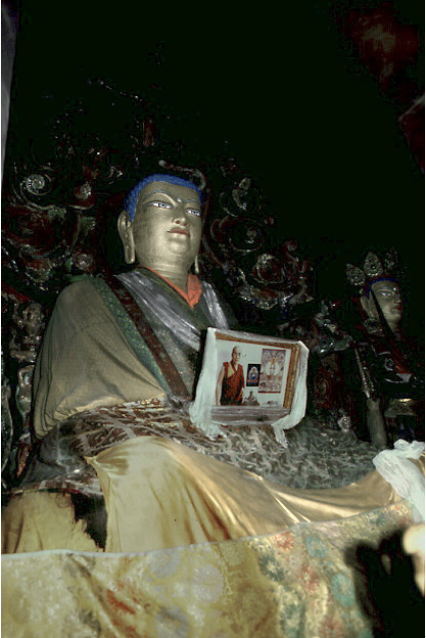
(125, 230)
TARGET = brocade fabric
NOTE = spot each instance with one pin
(296, 583)
(317, 457)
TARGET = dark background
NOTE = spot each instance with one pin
(276, 86)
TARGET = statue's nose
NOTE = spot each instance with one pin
(181, 219)
(181, 216)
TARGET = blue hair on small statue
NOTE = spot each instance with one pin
(373, 281)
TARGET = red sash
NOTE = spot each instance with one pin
(159, 353)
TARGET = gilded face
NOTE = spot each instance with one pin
(167, 225)
(388, 296)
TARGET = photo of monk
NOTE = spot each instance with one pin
(271, 371)
(247, 378)
(230, 384)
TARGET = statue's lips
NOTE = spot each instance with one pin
(179, 231)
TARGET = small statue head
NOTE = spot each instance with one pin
(388, 296)
(378, 288)
(161, 223)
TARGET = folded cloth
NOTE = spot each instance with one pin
(160, 494)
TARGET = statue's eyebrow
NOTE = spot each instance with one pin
(169, 196)
(153, 193)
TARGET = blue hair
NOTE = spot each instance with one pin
(374, 281)
(132, 198)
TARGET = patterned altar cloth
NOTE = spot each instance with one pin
(299, 583)
(303, 581)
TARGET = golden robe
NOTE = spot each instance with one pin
(161, 494)
(93, 356)
(85, 361)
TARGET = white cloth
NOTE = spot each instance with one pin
(406, 479)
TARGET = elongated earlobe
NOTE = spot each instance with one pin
(125, 230)
(196, 265)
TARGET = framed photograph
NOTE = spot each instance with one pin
(248, 378)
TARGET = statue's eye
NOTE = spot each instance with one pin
(159, 204)
(194, 211)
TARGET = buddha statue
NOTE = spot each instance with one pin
(135, 336)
